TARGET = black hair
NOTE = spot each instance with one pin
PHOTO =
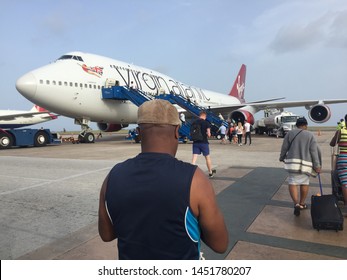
(301, 121)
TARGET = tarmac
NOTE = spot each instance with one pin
(49, 201)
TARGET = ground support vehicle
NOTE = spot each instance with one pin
(25, 137)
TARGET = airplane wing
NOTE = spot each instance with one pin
(258, 106)
(302, 103)
(27, 115)
(318, 111)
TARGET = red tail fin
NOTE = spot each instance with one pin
(40, 109)
(37, 108)
(238, 89)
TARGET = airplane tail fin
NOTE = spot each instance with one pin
(37, 108)
(238, 89)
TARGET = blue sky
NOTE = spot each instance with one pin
(296, 49)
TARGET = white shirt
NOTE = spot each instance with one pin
(247, 126)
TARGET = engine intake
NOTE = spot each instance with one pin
(319, 113)
(241, 116)
(110, 127)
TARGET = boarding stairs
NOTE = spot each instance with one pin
(138, 97)
(194, 108)
(124, 93)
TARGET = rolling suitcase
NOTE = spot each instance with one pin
(325, 213)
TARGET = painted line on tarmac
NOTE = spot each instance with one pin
(54, 181)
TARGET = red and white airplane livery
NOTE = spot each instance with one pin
(14, 119)
(71, 86)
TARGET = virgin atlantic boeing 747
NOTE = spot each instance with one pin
(71, 86)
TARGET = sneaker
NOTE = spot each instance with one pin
(297, 210)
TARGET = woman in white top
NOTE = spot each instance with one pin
(239, 132)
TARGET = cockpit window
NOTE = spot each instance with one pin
(69, 56)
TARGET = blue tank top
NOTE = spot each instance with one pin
(147, 198)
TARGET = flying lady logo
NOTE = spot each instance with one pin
(240, 88)
(96, 70)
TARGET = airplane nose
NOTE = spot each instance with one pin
(27, 85)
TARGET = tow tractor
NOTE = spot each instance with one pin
(25, 137)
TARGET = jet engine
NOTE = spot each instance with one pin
(110, 127)
(319, 113)
(241, 116)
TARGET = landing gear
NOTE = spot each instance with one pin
(85, 136)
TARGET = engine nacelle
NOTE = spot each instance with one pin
(110, 127)
(241, 116)
(319, 113)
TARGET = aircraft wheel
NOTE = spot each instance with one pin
(41, 139)
(89, 137)
(6, 141)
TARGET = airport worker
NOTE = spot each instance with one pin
(201, 146)
(340, 139)
(157, 206)
(302, 158)
(341, 124)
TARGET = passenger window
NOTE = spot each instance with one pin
(54, 83)
(65, 84)
(90, 86)
(85, 85)
(76, 84)
(81, 85)
(60, 83)
(47, 82)
(41, 81)
(71, 84)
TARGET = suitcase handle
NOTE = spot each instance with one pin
(320, 184)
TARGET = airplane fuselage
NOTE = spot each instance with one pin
(71, 86)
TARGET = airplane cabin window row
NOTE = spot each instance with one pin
(71, 84)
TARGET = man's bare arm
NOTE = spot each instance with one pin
(204, 205)
(104, 224)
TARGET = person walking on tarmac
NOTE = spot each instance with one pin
(201, 146)
(158, 207)
(302, 158)
(340, 139)
(247, 127)
(222, 129)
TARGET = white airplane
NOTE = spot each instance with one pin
(72, 86)
(14, 119)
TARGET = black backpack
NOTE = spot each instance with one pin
(195, 132)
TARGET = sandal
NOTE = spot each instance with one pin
(303, 206)
(297, 209)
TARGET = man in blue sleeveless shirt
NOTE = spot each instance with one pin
(155, 205)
